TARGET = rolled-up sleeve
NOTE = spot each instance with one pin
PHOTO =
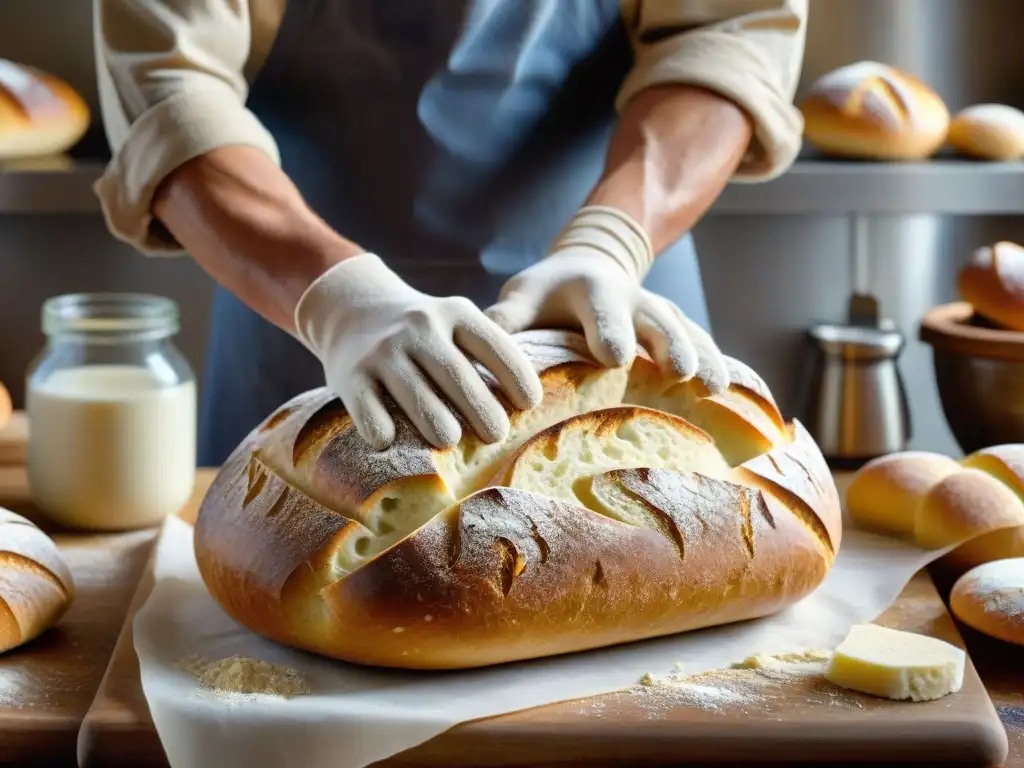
(172, 87)
(749, 51)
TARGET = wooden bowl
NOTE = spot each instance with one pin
(979, 370)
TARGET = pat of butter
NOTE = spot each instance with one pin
(897, 665)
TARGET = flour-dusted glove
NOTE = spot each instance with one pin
(374, 333)
(592, 280)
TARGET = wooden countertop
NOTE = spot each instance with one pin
(47, 686)
(66, 665)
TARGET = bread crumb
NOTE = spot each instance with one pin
(764, 660)
(239, 674)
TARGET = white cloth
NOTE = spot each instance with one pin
(592, 280)
(373, 331)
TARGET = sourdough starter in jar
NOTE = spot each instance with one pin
(112, 414)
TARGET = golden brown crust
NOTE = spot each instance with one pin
(796, 474)
(990, 599)
(988, 132)
(510, 575)
(39, 114)
(36, 587)
(993, 283)
(885, 493)
(873, 111)
(404, 558)
(6, 408)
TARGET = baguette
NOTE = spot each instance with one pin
(36, 587)
(978, 500)
(993, 284)
(39, 114)
(872, 111)
(627, 505)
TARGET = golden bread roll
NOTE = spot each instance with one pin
(964, 505)
(990, 599)
(6, 409)
(988, 132)
(884, 494)
(873, 111)
(993, 284)
(1005, 463)
(978, 500)
(39, 114)
(36, 587)
(627, 505)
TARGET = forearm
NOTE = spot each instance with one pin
(244, 221)
(670, 157)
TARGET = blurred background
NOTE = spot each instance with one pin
(775, 258)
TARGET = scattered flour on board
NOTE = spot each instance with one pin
(759, 684)
(241, 675)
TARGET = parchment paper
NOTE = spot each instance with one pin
(357, 716)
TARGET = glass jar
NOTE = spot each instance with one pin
(112, 413)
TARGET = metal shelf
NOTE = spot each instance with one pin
(811, 187)
(944, 187)
(61, 190)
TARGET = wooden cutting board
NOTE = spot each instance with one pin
(48, 685)
(790, 724)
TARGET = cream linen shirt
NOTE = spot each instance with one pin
(174, 76)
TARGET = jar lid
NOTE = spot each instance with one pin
(954, 329)
(112, 316)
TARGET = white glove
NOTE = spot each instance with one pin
(592, 280)
(372, 331)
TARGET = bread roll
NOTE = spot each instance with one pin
(39, 113)
(873, 111)
(993, 284)
(615, 511)
(36, 587)
(6, 409)
(884, 493)
(978, 500)
(1005, 463)
(990, 599)
(963, 505)
(988, 132)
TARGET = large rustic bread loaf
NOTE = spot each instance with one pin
(625, 506)
(36, 587)
(936, 501)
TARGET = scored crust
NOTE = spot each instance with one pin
(36, 586)
(627, 505)
(871, 110)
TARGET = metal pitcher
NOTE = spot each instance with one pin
(854, 400)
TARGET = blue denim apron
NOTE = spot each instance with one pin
(454, 138)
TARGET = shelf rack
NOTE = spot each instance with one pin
(810, 187)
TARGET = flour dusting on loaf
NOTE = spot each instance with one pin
(990, 598)
(875, 88)
(627, 505)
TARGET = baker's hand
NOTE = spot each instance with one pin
(374, 333)
(592, 280)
